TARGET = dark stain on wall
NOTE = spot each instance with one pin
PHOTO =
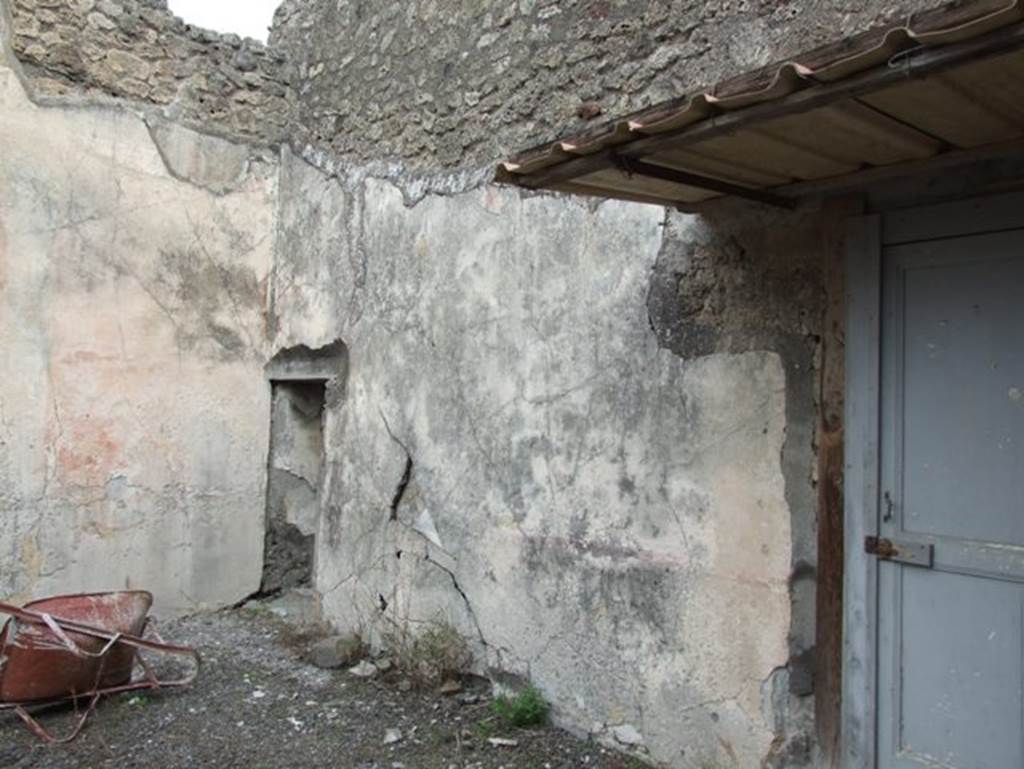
(745, 278)
(735, 280)
(209, 302)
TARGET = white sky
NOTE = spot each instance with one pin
(247, 18)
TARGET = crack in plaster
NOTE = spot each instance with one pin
(498, 650)
(403, 482)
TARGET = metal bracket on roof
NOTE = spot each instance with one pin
(635, 167)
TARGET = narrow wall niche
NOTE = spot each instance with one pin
(293, 482)
(303, 383)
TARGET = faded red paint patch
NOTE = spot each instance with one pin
(88, 453)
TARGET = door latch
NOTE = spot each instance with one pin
(912, 553)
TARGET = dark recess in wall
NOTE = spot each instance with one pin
(293, 483)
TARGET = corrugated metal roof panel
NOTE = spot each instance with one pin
(855, 133)
(976, 105)
(786, 157)
(730, 168)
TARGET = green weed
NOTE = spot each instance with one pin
(525, 709)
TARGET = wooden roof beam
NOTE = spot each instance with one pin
(652, 171)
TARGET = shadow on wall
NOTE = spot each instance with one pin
(741, 278)
(300, 379)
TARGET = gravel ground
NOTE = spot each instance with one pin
(258, 705)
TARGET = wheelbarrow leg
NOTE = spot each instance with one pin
(40, 731)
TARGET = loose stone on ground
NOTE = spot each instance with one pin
(335, 652)
(259, 703)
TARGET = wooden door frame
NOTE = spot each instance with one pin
(866, 237)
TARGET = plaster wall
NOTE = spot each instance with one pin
(133, 411)
(601, 516)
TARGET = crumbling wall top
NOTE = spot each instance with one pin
(139, 51)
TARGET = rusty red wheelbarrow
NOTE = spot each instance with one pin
(74, 649)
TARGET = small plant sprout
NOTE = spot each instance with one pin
(525, 709)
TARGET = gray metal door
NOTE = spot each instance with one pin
(950, 687)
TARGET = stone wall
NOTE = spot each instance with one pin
(134, 260)
(138, 51)
(463, 83)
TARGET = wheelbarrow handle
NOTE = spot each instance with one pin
(136, 642)
(45, 620)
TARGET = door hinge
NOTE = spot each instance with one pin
(912, 553)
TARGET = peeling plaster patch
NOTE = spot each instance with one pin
(425, 526)
(206, 161)
(628, 735)
(415, 186)
(742, 279)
